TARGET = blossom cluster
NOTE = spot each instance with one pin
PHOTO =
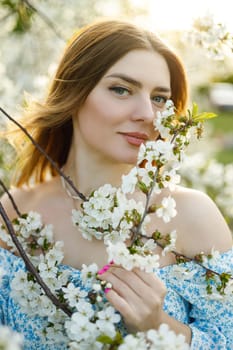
(211, 36)
(110, 214)
(163, 338)
(88, 324)
(93, 322)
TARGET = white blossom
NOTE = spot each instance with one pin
(9, 339)
(170, 179)
(132, 342)
(161, 118)
(106, 327)
(79, 328)
(145, 173)
(181, 272)
(212, 258)
(88, 272)
(109, 314)
(211, 36)
(72, 294)
(158, 124)
(172, 243)
(167, 210)
(46, 235)
(55, 254)
(84, 308)
(163, 338)
(120, 255)
(54, 333)
(129, 181)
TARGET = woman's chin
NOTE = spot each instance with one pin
(130, 162)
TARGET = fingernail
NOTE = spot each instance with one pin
(107, 290)
(104, 269)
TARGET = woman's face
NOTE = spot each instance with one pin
(118, 114)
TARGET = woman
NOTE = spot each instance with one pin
(112, 80)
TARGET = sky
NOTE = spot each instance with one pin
(179, 14)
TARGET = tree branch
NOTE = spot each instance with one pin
(185, 258)
(46, 19)
(41, 150)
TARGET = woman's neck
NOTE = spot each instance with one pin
(88, 173)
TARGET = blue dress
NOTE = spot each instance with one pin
(211, 320)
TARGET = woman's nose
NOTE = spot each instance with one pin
(144, 110)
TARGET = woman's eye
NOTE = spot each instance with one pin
(159, 101)
(119, 90)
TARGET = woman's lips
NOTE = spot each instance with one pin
(134, 138)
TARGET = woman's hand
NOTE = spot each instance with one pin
(137, 295)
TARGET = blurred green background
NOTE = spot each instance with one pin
(222, 129)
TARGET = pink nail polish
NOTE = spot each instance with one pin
(107, 290)
(104, 269)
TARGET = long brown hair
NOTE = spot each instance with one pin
(88, 55)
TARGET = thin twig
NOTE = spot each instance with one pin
(179, 255)
(46, 19)
(11, 198)
(30, 267)
(136, 230)
(186, 258)
(6, 16)
(41, 150)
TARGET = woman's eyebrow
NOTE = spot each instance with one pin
(125, 78)
(136, 82)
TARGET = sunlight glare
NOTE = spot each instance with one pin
(180, 14)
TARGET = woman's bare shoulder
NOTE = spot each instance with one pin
(20, 196)
(201, 224)
(27, 198)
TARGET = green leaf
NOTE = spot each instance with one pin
(204, 116)
(209, 289)
(105, 339)
(133, 250)
(22, 13)
(143, 187)
(194, 109)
